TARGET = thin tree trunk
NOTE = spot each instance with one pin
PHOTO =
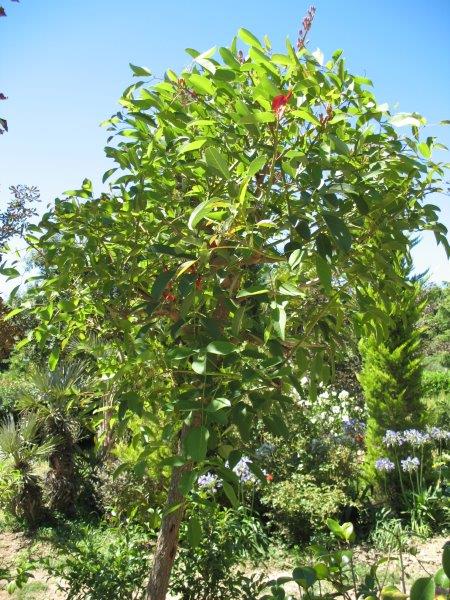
(167, 544)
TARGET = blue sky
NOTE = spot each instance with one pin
(64, 64)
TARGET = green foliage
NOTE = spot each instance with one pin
(108, 563)
(214, 542)
(19, 451)
(435, 383)
(299, 504)
(13, 387)
(436, 324)
(315, 471)
(55, 402)
(391, 375)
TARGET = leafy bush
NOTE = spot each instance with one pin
(317, 468)
(109, 563)
(299, 505)
(214, 541)
(124, 494)
(13, 387)
(435, 383)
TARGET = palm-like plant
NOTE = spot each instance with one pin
(57, 401)
(20, 449)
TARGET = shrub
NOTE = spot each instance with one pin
(299, 505)
(12, 388)
(206, 568)
(435, 383)
(317, 467)
(109, 563)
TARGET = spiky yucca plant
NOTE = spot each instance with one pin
(57, 403)
(20, 451)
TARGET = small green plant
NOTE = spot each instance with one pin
(214, 541)
(19, 452)
(109, 563)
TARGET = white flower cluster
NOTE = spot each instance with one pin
(336, 411)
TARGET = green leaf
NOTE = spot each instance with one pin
(256, 165)
(229, 58)
(140, 71)
(9, 272)
(390, 592)
(230, 494)
(446, 559)
(194, 532)
(295, 258)
(217, 161)
(254, 290)
(219, 347)
(108, 174)
(53, 358)
(441, 579)
(12, 313)
(218, 404)
(339, 231)
(276, 425)
(279, 321)
(423, 589)
(204, 209)
(339, 145)
(405, 119)
(133, 403)
(304, 114)
(287, 289)
(248, 38)
(196, 443)
(305, 577)
(324, 273)
(201, 84)
(195, 145)
(199, 364)
(160, 284)
(424, 150)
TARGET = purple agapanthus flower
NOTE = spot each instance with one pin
(209, 482)
(415, 437)
(441, 435)
(353, 426)
(392, 438)
(384, 465)
(242, 470)
(410, 464)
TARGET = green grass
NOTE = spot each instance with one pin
(31, 591)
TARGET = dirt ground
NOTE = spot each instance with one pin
(427, 560)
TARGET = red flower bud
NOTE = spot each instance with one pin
(279, 104)
(269, 477)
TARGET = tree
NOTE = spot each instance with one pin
(259, 203)
(19, 210)
(392, 370)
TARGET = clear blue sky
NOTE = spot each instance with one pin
(64, 64)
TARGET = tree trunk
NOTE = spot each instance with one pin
(167, 544)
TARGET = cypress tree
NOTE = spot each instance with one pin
(392, 371)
